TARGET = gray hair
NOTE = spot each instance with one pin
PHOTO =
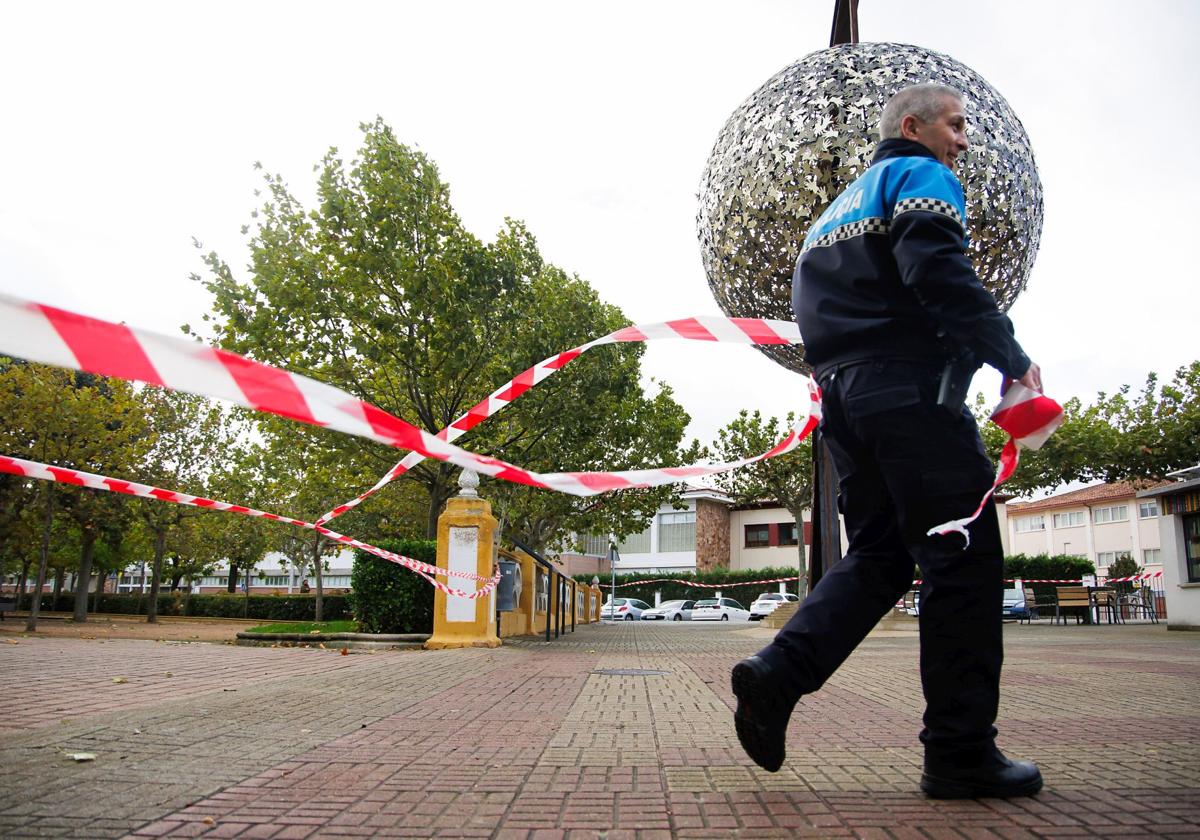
(925, 102)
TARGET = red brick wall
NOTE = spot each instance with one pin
(712, 535)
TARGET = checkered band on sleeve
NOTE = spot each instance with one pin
(872, 224)
(929, 205)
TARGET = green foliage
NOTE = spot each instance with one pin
(1047, 567)
(679, 584)
(388, 598)
(272, 607)
(1120, 437)
(785, 479)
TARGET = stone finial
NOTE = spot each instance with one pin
(468, 484)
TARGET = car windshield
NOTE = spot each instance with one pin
(707, 602)
(1012, 595)
(770, 596)
(670, 605)
(620, 602)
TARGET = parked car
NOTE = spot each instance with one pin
(768, 602)
(1014, 604)
(670, 611)
(719, 609)
(624, 609)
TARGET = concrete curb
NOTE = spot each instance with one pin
(353, 641)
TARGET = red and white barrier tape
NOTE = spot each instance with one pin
(46, 472)
(1029, 418)
(54, 336)
(728, 330)
(690, 584)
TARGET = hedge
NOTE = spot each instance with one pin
(275, 607)
(388, 598)
(1047, 567)
(733, 584)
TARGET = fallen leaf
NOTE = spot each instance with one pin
(345, 651)
(168, 674)
(208, 821)
(81, 756)
(119, 680)
(321, 645)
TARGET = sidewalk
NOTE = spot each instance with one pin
(526, 741)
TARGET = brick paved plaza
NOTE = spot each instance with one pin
(525, 741)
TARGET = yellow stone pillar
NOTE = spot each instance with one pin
(465, 544)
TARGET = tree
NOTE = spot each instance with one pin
(1123, 566)
(72, 420)
(785, 479)
(188, 434)
(381, 291)
(1118, 437)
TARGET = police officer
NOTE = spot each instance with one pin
(893, 317)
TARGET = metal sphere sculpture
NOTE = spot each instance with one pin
(802, 137)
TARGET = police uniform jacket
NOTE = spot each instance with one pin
(884, 272)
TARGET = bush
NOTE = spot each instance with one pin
(1044, 566)
(679, 585)
(388, 598)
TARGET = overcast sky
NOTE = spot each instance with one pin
(129, 129)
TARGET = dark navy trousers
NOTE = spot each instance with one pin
(904, 465)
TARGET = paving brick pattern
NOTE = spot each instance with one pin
(528, 742)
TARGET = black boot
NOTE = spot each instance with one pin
(762, 712)
(995, 776)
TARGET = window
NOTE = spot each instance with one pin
(758, 536)
(677, 531)
(1148, 510)
(635, 543)
(276, 580)
(1151, 556)
(1068, 520)
(787, 533)
(1025, 524)
(595, 545)
(542, 593)
(1116, 513)
(1191, 546)
(1106, 558)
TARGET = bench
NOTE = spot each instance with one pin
(1072, 598)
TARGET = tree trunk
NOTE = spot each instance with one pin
(318, 602)
(231, 584)
(35, 606)
(141, 584)
(160, 548)
(101, 578)
(802, 565)
(438, 494)
(22, 582)
(85, 574)
(60, 574)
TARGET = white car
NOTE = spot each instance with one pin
(623, 609)
(768, 602)
(670, 611)
(719, 609)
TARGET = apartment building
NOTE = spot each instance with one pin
(1099, 523)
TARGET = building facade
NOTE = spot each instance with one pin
(1178, 503)
(1098, 523)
